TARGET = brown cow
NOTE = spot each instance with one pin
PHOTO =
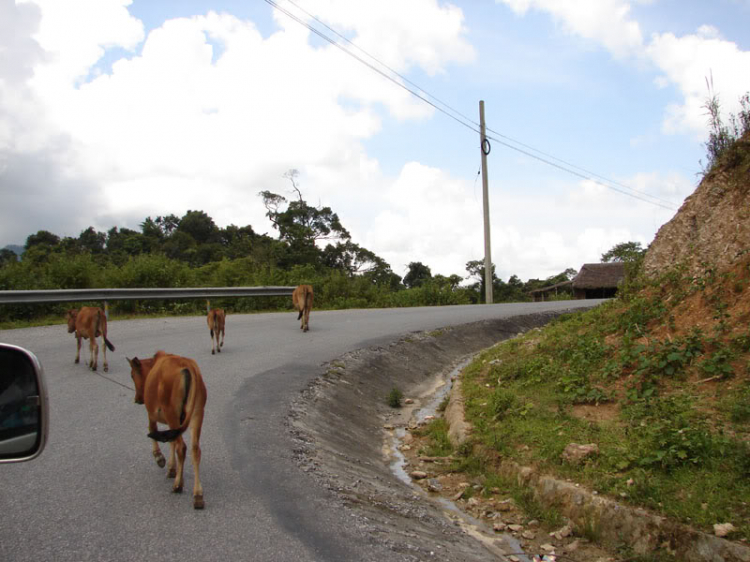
(89, 323)
(172, 389)
(302, 299)
(216, 318)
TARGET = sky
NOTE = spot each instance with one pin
(112, 111)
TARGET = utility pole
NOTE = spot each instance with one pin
(485, 148)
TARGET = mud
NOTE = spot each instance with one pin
(343, 426)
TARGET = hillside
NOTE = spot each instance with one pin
(652, 388)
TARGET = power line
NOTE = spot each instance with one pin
(464, 120)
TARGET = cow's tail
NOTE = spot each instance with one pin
(188, 405)
(303, 301)
(103, 329)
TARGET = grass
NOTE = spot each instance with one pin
(667, 402)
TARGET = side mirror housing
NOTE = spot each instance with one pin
(24, 411)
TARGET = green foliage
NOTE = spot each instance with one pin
(723, 141)
(439, 444)
(417, 275)
(625, 252)
(394, 398)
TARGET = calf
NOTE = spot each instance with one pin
(302, 299)
(89, 323)
(172, 389)
(216, 317)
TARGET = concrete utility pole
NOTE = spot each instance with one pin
(485, 148)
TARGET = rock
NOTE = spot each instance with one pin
(499, 527)
(575, 453)
(408, 401)
(547, 547)
(433, 485)
(572, 547)
(530, 535)
(418, 474)
(723, 529)
(515, 528)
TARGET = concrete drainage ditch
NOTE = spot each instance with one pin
(338, 423)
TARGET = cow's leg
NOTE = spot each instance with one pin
(94, 348)
(307, 319)
(179, 444)
(104, 354)
(78, 349)
(171, 468)
(155, 445)
(218, 345)
(222, 338)
(213, 344)
(195, 439)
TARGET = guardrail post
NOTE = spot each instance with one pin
(208, 306)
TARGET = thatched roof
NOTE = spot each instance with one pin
(599, 275)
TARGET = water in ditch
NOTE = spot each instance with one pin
(469, 524)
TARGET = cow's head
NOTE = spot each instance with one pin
(139, 378)
(71, 316)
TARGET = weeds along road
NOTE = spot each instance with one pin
(97, 494)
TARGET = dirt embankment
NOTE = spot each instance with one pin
(338, 423)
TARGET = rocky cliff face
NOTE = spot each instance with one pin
(713, 225)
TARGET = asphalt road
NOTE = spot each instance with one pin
(97, 494)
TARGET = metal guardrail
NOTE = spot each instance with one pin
(78, 295)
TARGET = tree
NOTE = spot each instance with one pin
(167, 224)
(352, 258)
(42, 238)
(200, 226)
(475, 268)
(417, 275)
(624, 252)
(92, 240)
(301, 225)
(7, 256)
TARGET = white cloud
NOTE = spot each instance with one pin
(174, 124)
(688, 62)
(684, 62)
(604, 21)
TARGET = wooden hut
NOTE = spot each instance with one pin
(546, 293)
(598, 280)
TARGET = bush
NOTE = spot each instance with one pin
(395, 397)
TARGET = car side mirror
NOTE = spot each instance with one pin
(24, 412)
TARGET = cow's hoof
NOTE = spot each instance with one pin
(198, 502)
(77, 361)
(219, 350)
(171, 473)
(213, 352)
(161, 461)
(177, 489)
(106, 368)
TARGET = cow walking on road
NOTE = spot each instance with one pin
(302, 299)
(172, 389)
(89, 323)
(216, 319)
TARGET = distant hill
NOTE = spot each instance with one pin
(14, 248)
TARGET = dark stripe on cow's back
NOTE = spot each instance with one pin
(186, 376)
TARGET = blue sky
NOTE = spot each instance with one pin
(112, 111)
